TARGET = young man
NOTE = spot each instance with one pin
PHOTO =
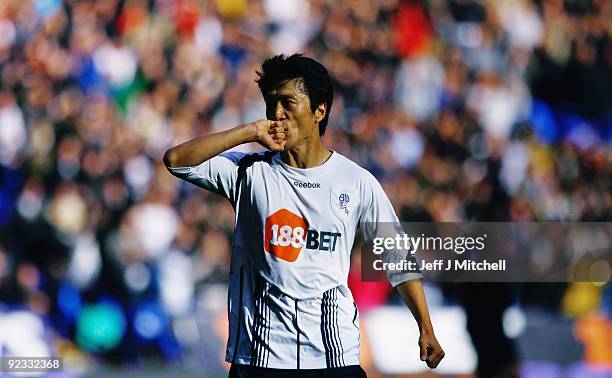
(298, 207)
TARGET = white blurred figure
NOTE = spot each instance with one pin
(407, 146)
(295, 24)
(515, 161)
(499, 103)
(116, 62)
(419, 87)
(208, 36)
(7, 38)
(85, 262)
(138, 173)
(155, 226)
(176, 281)
(22, 334)
(13, 136)
(521, 21)
(388, 327)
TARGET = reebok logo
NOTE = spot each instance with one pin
(307, 185)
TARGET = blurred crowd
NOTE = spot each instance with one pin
(466, 110)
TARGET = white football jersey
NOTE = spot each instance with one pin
(289, 303)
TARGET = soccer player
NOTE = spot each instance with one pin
(298, 207)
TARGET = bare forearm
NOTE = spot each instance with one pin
(413, 295)
(198, 150)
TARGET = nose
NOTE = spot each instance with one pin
(279, 112)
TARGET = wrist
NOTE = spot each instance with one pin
(426, 329)
(249, 132)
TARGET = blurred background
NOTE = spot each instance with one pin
(465, 110)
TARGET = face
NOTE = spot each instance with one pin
(290, 104)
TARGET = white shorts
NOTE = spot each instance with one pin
(270, 329)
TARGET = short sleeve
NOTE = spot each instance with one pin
(378, 220)
(218, 174)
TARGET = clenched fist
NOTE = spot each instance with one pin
(271, 134)
(431, 351)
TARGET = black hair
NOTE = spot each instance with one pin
(317, 82)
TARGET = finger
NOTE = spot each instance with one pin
(435, 359)
(434, 353)
(279, 136)
(275, 147)
(431, 356)
(276, 130)
(431, 362)
(424, 352)
(434, 364)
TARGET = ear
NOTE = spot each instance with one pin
(320, 112)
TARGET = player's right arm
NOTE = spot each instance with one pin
(204, 161)
(270, 134)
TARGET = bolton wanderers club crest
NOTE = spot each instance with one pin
(343, 200)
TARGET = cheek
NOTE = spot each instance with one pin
(304, 116)
(293, 132)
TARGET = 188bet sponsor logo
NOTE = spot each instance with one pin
(287, 233)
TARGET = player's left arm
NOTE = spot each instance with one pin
(413, 295)
(377, 218)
